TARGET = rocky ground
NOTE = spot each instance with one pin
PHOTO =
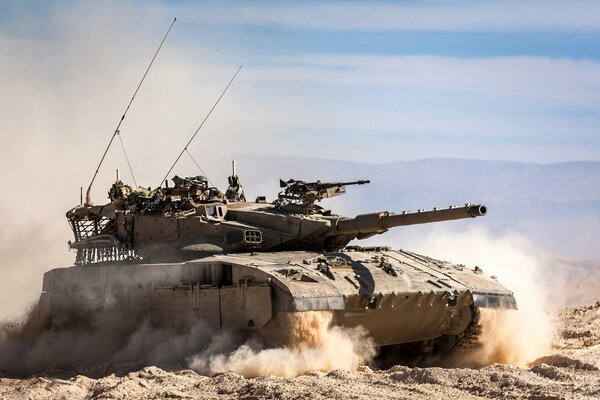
(570, 371)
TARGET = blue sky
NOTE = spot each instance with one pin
(367, 81)
(265, 35)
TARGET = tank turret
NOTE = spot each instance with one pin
(191, 219)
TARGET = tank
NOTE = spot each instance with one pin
(189, 253)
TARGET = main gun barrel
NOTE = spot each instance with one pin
(382, 221)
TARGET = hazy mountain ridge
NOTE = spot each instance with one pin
(557, 205)
(561, 182)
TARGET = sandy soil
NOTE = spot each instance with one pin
(570, 371)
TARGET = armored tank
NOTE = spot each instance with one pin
(188, 252)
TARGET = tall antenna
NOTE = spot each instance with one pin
(88, 199)
(199, 127)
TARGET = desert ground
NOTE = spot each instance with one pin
(570, 370)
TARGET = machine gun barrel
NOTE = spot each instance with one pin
(363, 182)
(382, 221)
(310, 192)
(301, 186)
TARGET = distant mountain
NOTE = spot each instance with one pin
(557, 206)
(572, 282)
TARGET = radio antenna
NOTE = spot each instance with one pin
(88, 199)
(199, 127)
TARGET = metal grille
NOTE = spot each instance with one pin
(85, 228)
(90, 226)
(90, 255)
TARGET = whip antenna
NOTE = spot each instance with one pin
(199, 127)
(88, 199)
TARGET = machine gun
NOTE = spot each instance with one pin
(308, 193)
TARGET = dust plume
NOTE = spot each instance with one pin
(310, 344)
(68, 73)
(510, 337)
(302, 343)
(503, 341)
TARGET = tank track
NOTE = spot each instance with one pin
(433, 352)
(469, 339)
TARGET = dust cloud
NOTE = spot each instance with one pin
(509, 337)
(312, 345)
(305, 342)
(72, 71)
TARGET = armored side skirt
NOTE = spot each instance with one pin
(397, 300)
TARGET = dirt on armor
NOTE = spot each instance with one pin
(570, 371)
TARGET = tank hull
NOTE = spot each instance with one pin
(397, 296)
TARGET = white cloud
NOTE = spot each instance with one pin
(567, 81)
